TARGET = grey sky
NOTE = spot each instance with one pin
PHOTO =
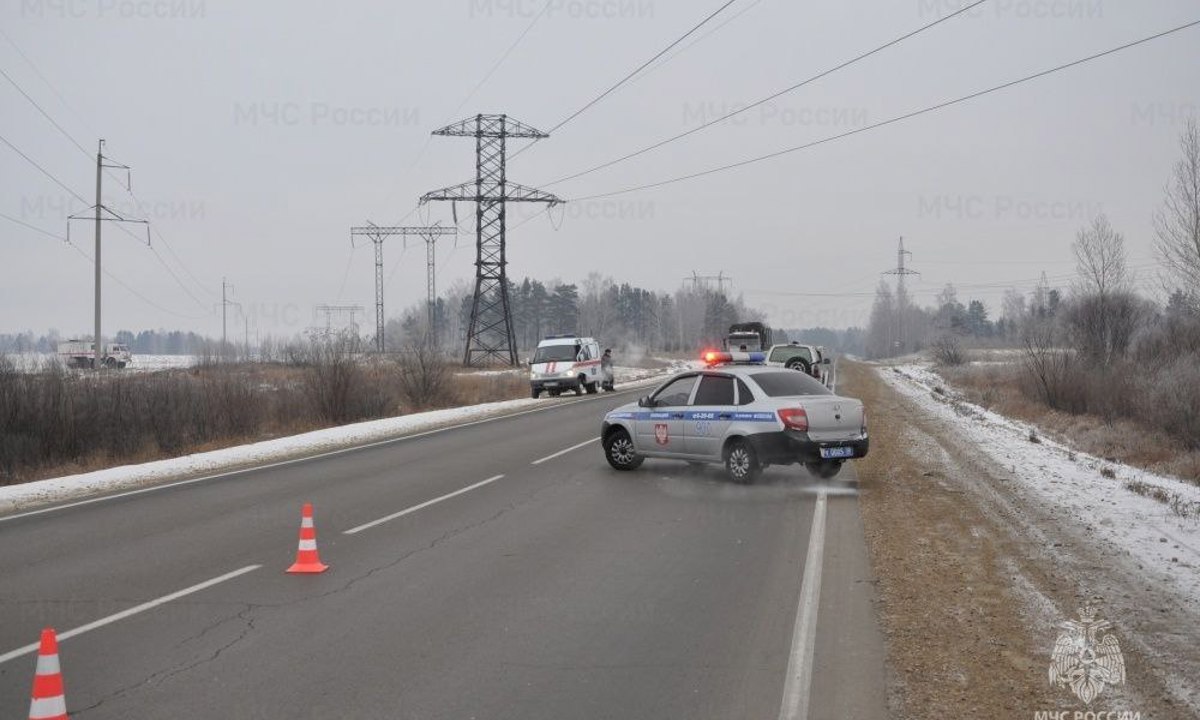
(260, 132)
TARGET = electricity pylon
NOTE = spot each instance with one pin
(901, 297)
(377, 235)
(490, 333)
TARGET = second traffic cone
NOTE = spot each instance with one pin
(307, 560)
(49, 702)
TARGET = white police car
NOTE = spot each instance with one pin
(742, 413)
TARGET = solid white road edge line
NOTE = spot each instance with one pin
(68, 634)
(293, 461)
(804, 634)
(422, 506)
(564, 452)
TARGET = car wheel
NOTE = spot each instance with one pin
(619, 451)
(798, 364)
(579, 388)
(741, 462)
(824, 469)
(591, 388)
(536, 394)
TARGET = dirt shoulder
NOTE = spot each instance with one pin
(974, 580)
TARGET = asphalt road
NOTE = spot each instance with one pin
(561, 589)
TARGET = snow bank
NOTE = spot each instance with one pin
(1071, 482)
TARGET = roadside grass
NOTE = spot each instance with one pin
(1001, 385)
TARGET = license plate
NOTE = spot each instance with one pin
(551, 384)
(837, 452)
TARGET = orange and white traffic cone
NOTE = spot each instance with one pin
(307, 560)
(49, 702)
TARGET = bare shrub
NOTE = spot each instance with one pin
(1172, 399)
(424, 373)
(1048, 365)
(334, 379)
(947, 350)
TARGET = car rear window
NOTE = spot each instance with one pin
(788, 382)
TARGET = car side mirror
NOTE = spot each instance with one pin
(826, 361)
(645, 401)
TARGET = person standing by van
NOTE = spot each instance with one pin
(606, 370)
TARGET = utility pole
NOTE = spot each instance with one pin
(377, 235)
(225, 303)
(490, 334)
(101, 215)
(901, 296)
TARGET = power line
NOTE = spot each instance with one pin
(890, 121)
(33, 66)
(697, 41)
(771, 97)
(43, 170)
(625, 79)
(45, 114)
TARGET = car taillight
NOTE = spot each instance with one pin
(794, 418)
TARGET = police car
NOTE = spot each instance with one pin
(740, 412)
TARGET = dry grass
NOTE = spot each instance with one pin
(1000, 387)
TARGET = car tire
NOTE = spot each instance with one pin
(619, 451)
(741, 462)
(579, 388)
(536, 394)
(824, 469)
(799, 364)
(591, 388)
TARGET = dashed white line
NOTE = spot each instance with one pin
(68, 634)
(804, 634)
(564, 452)
(422, 506)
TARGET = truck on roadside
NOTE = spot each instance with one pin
(748, 337)
(82, 354)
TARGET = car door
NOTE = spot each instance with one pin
(660, 426)
(710, 415)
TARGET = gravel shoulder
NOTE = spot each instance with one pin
(976, 574)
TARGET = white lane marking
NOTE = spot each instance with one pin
(67, 635)
(307, 458)
(564, 452)
(804, 634)
(422, 506)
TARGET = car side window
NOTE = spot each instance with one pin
(778, 355)
(676, 393)
(745, 397)
(714, 390)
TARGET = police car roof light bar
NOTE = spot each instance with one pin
(713, 357)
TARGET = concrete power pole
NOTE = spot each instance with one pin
(225, 303)
(100, 215)
(377, 234)
(490, 334)
(900, 272)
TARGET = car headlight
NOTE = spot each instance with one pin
(567, 374)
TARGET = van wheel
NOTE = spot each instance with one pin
(591, 388)
(579, 388)
(741, 462)
(535, 393)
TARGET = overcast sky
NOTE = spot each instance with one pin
(259, 132)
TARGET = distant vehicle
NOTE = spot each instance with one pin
(82, 354)
(565, 362)
(742, 413)
(748, 337)
(809, 359)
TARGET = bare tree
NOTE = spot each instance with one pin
(1177, 223)
(1100, 259)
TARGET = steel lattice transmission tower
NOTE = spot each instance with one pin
(377, 234)
(901, 296)
(490, 333)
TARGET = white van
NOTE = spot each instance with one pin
(565, 362)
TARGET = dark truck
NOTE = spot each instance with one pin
(754, 336)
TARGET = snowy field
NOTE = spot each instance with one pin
(33, 362)
(280, 450)
(1089, 490)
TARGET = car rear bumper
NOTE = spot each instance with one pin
(785, 447)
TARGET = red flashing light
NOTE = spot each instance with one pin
(794, 418)
(711, 357)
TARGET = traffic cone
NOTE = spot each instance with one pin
(48, 702)
(307, 560)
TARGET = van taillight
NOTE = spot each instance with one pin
(794, 418)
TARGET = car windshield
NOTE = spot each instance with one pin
(750, 340)
(785, 383)
(554, 353)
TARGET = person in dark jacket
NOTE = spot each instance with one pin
(606, 370)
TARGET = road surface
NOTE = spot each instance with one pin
(497, 570)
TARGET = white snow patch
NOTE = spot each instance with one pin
(1070, 481)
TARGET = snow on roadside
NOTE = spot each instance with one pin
(27, 495)
(1146, 529)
